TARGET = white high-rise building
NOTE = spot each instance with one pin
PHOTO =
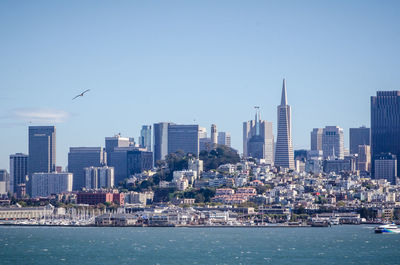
(333, 142)
(284, 156)
(224, 138)
(99, 177)
(45, 184)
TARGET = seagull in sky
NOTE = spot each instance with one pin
(81, 94)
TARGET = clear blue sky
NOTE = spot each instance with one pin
(209, 61)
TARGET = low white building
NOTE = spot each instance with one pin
(45, 184)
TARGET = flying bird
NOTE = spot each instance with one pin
(81, 94)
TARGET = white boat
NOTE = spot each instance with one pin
(388, 228)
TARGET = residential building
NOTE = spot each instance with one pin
(82, 157)
(42, 149)
(359, 136)
(18, 170)
(385, 124)
(284, 148)
(45, 184)
(333, 142)
(99, 177)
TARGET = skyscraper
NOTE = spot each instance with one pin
(284, 148)
(116, 141)
(4, 182)
(81, 157)
(359, 136)
(145, 137)
(224, 138)
(262, 146)
(160, 140)
(18, 170)
(42, 149)
(316, 139)
(184, 138)
(385, 125)
(333, 142)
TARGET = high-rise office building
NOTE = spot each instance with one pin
(184, 138)
(81, 157)
(99, 177)
(385, 125)
(117, 141)
(284, 148)
(160, 140)
(386, 167)
(333, 142)
(4, 182)
(42, 149)
(139, 161)
(18, 170)
(224, 138)
(214, 135)
(262, 133)
(45, 184)
(119, 160)
(359, 136)
(145, 137)
(202, 132)
(316, 139)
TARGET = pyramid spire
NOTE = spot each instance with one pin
(283, 99)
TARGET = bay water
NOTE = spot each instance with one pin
(356, 244)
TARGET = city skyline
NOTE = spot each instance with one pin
(145, 71)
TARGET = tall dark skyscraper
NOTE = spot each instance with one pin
(42, 149)
(18, 170)
(284, 148)
(385, 124)
(359, 136)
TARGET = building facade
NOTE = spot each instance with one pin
(333, 142)
(81, 157)
(224, 138)
(42, 149)
(160, 137)
(385, 125)
(18, 170)
(45, 184)
(4, 182)
(316, 139)
(99, 177)
(284, 149)
(359, 136)
(145, 137)
(183, 138)
(253, 132)
(386, 167)
(139, 161)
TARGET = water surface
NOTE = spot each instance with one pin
(140, 245)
